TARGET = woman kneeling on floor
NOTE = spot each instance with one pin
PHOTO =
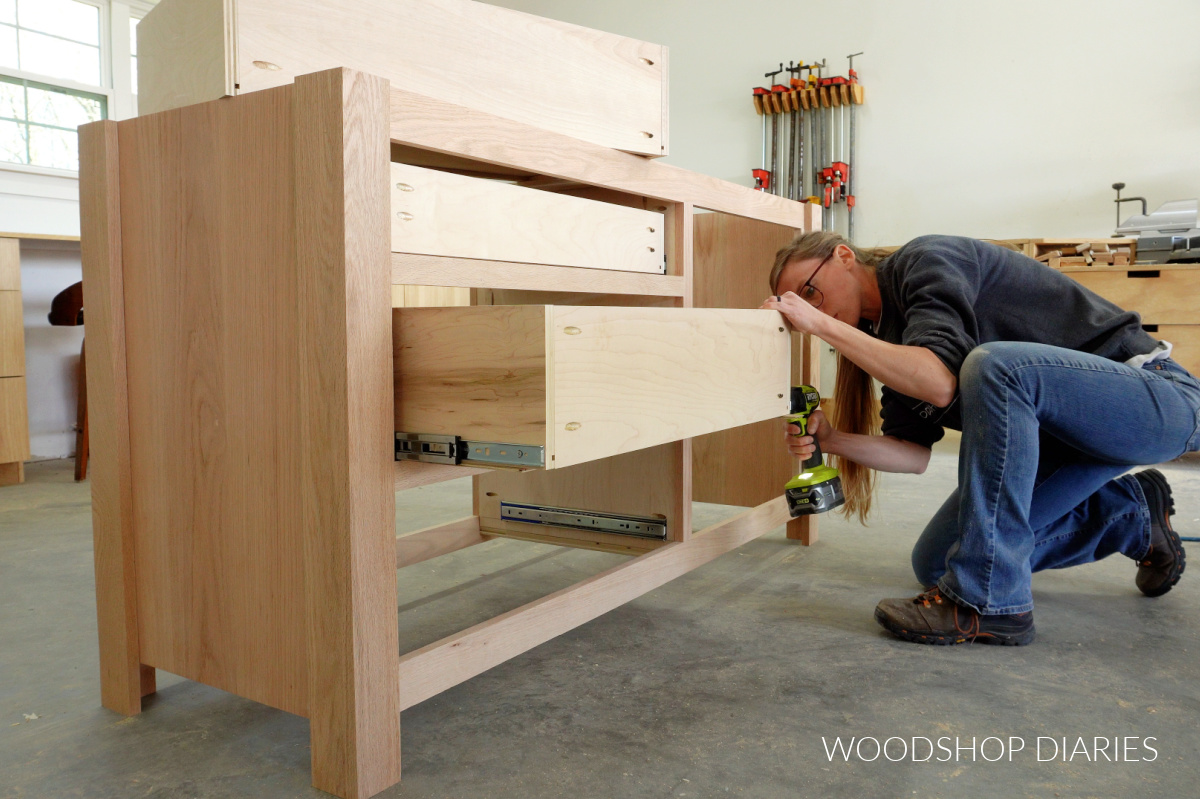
(1057, 392)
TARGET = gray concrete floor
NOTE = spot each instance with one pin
(722, 683)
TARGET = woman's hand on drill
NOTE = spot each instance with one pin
(800, 316)
(802, 446)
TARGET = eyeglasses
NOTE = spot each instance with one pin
(810, 293)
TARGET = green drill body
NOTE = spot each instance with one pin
(817, 488)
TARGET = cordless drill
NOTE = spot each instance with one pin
(818, 487)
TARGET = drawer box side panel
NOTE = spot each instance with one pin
(478, 373)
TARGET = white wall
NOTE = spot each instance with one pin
(1000, 119)
(47, 201)
(51, 353)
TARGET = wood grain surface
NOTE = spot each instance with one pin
(440, 213)
(121, 672)
(210, 290)
(346, 429)
(627, 378)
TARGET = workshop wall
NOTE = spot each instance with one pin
(994, 120)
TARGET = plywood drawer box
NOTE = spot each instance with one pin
(602, 88)
(583, 383)
(1163, 295)
(444, 214)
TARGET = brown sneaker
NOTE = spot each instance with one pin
(932, 618)
(1163, 563)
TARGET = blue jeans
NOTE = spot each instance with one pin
(1047, 432)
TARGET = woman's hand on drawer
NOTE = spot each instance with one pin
(800, 315)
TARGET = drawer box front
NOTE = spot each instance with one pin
(440, 213)
(1162, 297)
(12, 335)
(587, 382)
(584, 83)
(14, 420)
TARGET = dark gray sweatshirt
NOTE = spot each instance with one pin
(951, 294)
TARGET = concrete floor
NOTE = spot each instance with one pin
(722, 683)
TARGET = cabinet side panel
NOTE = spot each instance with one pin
(210, 299)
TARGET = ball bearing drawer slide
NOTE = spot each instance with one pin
(637, 526)
(454, 451)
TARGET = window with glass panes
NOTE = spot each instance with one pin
(54, 40)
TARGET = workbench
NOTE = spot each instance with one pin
(1166, 295)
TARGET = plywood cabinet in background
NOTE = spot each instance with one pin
(1166, 295)
(14, 411)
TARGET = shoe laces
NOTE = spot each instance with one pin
(933, 595)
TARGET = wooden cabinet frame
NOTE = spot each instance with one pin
(237, 276)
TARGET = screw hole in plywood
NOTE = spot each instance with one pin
(404, 216)
(572, 331)
(404, 187)
(647, 134)
(573, 425)
(491, 493)
(651, 249)
(648, 62)
(650, 229)
(267, 65)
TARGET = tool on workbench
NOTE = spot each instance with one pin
(812, 104)
(780, 104)
(795, 137)
(851, 165)
(817, 488)
(762, 178)
(1169, 235)
(768, 104)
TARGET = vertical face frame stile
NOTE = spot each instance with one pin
(123, 679)
(346, 402)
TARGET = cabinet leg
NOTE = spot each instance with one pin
(803, 529)
(12, 473)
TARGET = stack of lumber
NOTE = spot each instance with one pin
(1061, 253)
